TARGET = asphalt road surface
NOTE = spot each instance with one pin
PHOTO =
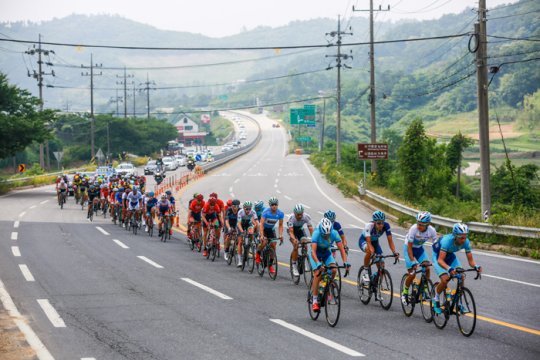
(93, 290)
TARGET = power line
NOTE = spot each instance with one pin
(516, 54)
(424, 11)
(433, 91)
(512, 15)
(515, 39)
(509, 5)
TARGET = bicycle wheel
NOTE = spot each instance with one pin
(385, 289)
(151, 230)
(272, 261)
(91, 215)
(314, 315)
(251, 258)
(231, 252)
(425, 300)
(308, 273)
(61, 202)
(295, 279)
(466, 312)
(363, 285)
(408, 307)
(213, 251)
(332, 306)
(135, 226)
(441, 319)
(192, 241)
(198, 237)
(261, 266)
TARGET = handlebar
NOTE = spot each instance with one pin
(325, 268)
(459, 271)
(376, 257)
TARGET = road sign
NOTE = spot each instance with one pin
(100, 155)
(198, 157)
(373, 151)
(310, 112)
(58, 155)
(22, 168)
(303, 138)
(297, 116)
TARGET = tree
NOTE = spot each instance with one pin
(454, 155)
(412, 158)
(20, 120)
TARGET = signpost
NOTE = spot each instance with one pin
(100, 156)
(58, 155)
(304, 138)
(371, 152)
(22, 168)
(303, 116)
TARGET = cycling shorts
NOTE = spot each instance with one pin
(362, 243)
(298, 233)
(247, 224)
(419, 254)
(325, 257)
(196, 216)
(133, 206)
(451, 259)
(269, 233)
(211, 217)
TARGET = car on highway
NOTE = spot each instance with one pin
(170, 163)
(226, 148)
(150, 167)
(105, 171)
(180, 160)
(243, 137)
(275, 125)
(126, 169)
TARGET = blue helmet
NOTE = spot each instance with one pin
(259, 205)
(378, 216)
(151, 194)
(330, 215)
(423, 217)
(460, 229)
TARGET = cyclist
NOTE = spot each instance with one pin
(134, 200)
(194, 214)
(93, 199)
(445, 260)
(221, 205)
(231, 221)
(330, 215)
(104, 195)
(295, 228)
(369, 240)
(413, 249)
(164, 208)
(259, 208)
(61, 190)
(212, 214)
(321, 243)
(270, 217)
(151, 203)
(247, 221)
(171, 199)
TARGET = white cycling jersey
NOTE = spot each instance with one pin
(418, 238)
(247, 216)
(295, 223)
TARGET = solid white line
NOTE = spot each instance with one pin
(355, 226)
(288, 197)
(318, 338)
(14, 235)
(102, 231)
(16, 224)
(22, 214)
(33, 206)
(306, 206)
(44, 201)
(144, 258)
(476, 252)
(320, 212)
(206, 288)
(237, 180)
(511, 280)
(51, 313)
(328, 197)
(26, 272)
(15, 250)
(230, 189)
(121, 244)
(275, 185)
(279, 192)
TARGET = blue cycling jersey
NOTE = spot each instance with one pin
(118, 197)
(272, 218)
(171, 200)
(151, 203)
(371, 231)
(338, 228)
(324, 245)
(448, 244)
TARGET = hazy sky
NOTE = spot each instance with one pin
(218, 18)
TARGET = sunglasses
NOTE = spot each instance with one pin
(423, 224)
(379, 222)
(247, 208)
(273, 204)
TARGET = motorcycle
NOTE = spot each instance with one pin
(158, 177)
(191, 165)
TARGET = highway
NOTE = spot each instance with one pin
(93, 290)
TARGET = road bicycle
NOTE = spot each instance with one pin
(329, 296)
(249, 251)
(232, 249)
(92, 209)
(133, 222)
(269, 258)
(165, 233)
(150, 223)
(302, 263)
(195, 236)
(419, 293)
(379, 283)
(62, 198)
(212, 242)
(459, 302)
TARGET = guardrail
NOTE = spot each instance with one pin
(41, 175)
(477, 227)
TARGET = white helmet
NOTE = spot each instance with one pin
(325, 226)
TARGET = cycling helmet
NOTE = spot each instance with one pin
(163, 197)
(247, 205)
(378, 216)
(151, 194)
(273, 201)
(325, 226)
(460, 229)
(259, 205)
(195, 195)
(229, 202)
(213, 195)
(212, 201)
(200, 197)
(423, 217)
(236, 202)
(115, 190)
(92, 187)
(121, 189)
(298, 209)
(330, 215)
(168, 192)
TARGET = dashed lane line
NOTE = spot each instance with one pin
(14, 235)
(318, 338)
(33, 206)
(15, 250)
(153, 263)
(287, 197)
(102, 231)
(208, 289)
(26, 272)
(121, 244)
(22, 214)
(16, 224)
(51, 313)
(44, 202)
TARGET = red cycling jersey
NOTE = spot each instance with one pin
(211, 209)
(196, 206)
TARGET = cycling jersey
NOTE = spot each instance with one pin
(338, 228)
(324, 253)
(93, 194)
(247, 218)
(448, 244)
(232, 217)
(133, 200)
(150, 203)
(163, 206)
(418, 238)
(211, 212)
(298, 225)
(371, 231)
(270, 218)
(119, 196)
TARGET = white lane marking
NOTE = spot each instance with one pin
(88, 358)
(15, 250)
(328, 197)
(353, 250)
(288, 197)
(33, 206)
(31, 337)
(51, 313)
(206, 288)
(102, 231)
(511, 280)
(279, 192)
(237, 180)
(14, 235)
(320, 212)
(22, 214)
(306, 206)
(276, 181)
(44, 202)
(318, 338)
(230, 189)
(476, 252)
(121, 244)
(26, 272)
(275, 185)
(356, 226)
(16, 224)
(155, 264)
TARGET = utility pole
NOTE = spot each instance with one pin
(483, 108)
(92, 120)
(39, 77)
(321, 141)
(147, 88)
(371, 97)
(134, 102)
(125, 83)
(338, 57)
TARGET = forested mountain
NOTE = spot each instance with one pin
(436, 76)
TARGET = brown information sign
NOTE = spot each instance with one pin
(373, 151)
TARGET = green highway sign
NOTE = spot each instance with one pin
(297, 116)
(303, 138)
(304, 116)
